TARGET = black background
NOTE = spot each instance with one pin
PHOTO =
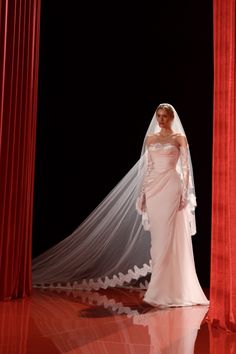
(104, 67)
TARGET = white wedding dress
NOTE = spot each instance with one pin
(112, 247)
(174, 281)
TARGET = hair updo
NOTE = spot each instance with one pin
(167, 108)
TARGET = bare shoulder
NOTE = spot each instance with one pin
(151, 138)
(182, 140)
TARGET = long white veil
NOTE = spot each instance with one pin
(110, 247)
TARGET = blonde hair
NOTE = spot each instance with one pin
(167, 108)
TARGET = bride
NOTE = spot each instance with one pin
(115, 247)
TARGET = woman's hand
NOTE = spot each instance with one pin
(141, 203)
(183, 200)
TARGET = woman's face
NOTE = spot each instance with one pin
(164, 118)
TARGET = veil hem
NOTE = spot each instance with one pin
(116, 280)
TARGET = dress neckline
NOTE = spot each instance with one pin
(163, 144)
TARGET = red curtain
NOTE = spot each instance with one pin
(223, 249)
(19, 57)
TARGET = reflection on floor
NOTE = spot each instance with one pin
(109, 321)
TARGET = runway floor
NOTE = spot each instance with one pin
(109, 321)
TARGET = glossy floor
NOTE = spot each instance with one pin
(109, 321)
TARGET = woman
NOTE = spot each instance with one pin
(163, 197)
(111, 248)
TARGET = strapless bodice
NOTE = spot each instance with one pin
(163, 156)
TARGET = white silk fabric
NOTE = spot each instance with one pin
(174, 281)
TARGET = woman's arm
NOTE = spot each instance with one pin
(141, 201)
(184, 156)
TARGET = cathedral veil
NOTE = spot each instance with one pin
(110, 247)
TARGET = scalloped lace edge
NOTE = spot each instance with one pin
(90, 298)
(116, 280)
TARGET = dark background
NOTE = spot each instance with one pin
(103, 70)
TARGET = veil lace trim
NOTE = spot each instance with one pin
(116, 281)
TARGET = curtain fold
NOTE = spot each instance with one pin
(19, 61)
(223, 246)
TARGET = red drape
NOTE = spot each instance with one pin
(19, 56)
(223, 249)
